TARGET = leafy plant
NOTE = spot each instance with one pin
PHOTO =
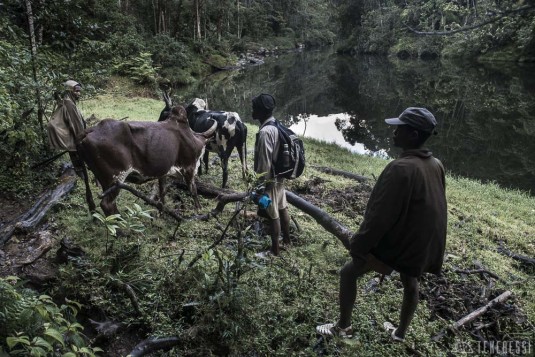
(139, 68)
(130, 223)
(33, 325)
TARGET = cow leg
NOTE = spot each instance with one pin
(224, 166)
(189, 178)
(161, 189)
(108, 204)
(205, 160)
(243, 160)
(88, 194)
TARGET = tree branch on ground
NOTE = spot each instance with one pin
(521, 258)
(473, 315)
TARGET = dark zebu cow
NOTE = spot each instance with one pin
(231, 133)
(118, 151)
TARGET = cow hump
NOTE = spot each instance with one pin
(178, 113)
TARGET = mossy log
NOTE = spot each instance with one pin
(31, 218)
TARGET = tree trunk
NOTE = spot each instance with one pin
(238, 6)
(154, 14)
(33, 46)
(329, 223)
(197, 33)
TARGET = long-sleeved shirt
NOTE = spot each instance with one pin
(267, 147)
(406, 217)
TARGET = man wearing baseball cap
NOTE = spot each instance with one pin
(404, 226)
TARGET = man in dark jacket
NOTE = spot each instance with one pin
(404, 227)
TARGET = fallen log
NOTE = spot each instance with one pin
(323, 218)
(346, 174)
(154, 344)
(225, 196)
(329, 223)
(202, 189)
(473, 315)
(46, 243)
(30, 219)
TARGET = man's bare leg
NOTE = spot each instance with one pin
(410, 302)
(285, 225)
(275, 234)
(348, 289)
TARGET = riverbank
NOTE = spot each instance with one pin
(231, 302)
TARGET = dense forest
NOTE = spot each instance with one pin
(44, 42)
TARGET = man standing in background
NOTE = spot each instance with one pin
(267, 146)
(67, 125)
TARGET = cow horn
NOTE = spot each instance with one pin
(208, 133)
(167, 99)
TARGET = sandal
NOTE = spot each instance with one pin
(330, 330)
(392, 329)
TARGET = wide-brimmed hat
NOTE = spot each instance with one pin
(418, 118)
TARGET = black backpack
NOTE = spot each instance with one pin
(295, 155)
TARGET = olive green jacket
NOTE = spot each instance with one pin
(66, 125)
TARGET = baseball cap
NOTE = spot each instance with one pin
(418, 118)
(264, 102)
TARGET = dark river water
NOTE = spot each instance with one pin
(485, 112)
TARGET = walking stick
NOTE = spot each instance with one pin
(47, 161)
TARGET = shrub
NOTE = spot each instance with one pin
(49, 330)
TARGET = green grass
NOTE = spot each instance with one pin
(245, 306)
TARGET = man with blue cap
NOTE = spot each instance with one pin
(404, 226)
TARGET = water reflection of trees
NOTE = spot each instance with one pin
(486, 114)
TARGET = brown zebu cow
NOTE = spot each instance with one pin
(118, 151)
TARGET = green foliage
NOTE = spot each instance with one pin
(21, 135)
(139, 68)
(369, 29)
(33, 325)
